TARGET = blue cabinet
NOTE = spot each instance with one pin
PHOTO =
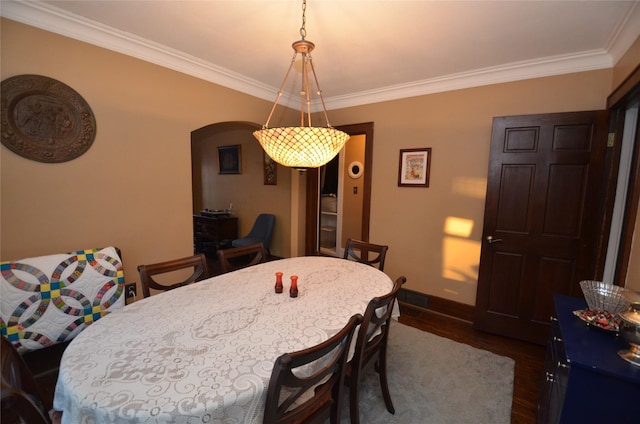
(584, 378)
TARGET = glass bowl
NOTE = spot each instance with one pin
(604, 296)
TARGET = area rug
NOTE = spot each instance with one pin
(435, 380)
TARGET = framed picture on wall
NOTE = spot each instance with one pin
(413, 170)
(270, 170)
(230, 159)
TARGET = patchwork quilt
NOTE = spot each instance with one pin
(50, 299)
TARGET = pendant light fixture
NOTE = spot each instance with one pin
(304, 146)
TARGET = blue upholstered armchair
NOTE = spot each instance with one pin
(260, 233)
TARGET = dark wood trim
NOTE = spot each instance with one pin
(365, 129)
(436, 304)
(610, 181)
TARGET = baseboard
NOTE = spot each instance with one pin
(436, 304)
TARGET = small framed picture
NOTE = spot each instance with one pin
(413, 170)
(270, 170)
(230, 159)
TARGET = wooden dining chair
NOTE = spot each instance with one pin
(371, 348)
(366, 253)
(198, 264)
(241, 257)
(20, 398)
(325, 385)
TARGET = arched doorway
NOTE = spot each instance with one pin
(245, 190)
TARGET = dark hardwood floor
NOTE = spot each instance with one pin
(529, 357)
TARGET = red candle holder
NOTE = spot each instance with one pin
(293, 291)
(278, 282)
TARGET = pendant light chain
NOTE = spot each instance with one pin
(306, 58)
(303, 146)
(303, 30)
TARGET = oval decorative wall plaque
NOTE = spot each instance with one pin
(44, 119)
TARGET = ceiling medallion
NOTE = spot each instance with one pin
(44, 119)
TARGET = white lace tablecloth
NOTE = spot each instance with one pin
(204, 353)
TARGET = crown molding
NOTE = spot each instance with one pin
(494, 75)
(625, 34)
(50, 18)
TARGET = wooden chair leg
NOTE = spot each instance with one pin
(382, 371)
(354, 398)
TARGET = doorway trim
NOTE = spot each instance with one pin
(627, 93)
(312, 202)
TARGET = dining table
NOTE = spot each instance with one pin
(204, 353)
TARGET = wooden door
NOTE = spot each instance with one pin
(542, 218)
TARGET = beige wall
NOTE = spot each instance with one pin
(133, 187)
(627, 63)
(417, 223)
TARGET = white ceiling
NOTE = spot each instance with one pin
(366, 51)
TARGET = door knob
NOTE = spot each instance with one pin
(491, 240)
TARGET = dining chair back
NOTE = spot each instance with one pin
(371, 348)
(261, 232)
(322, 388)
(198, 264)
(21, 399)
(241, 257)
(366, 253)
